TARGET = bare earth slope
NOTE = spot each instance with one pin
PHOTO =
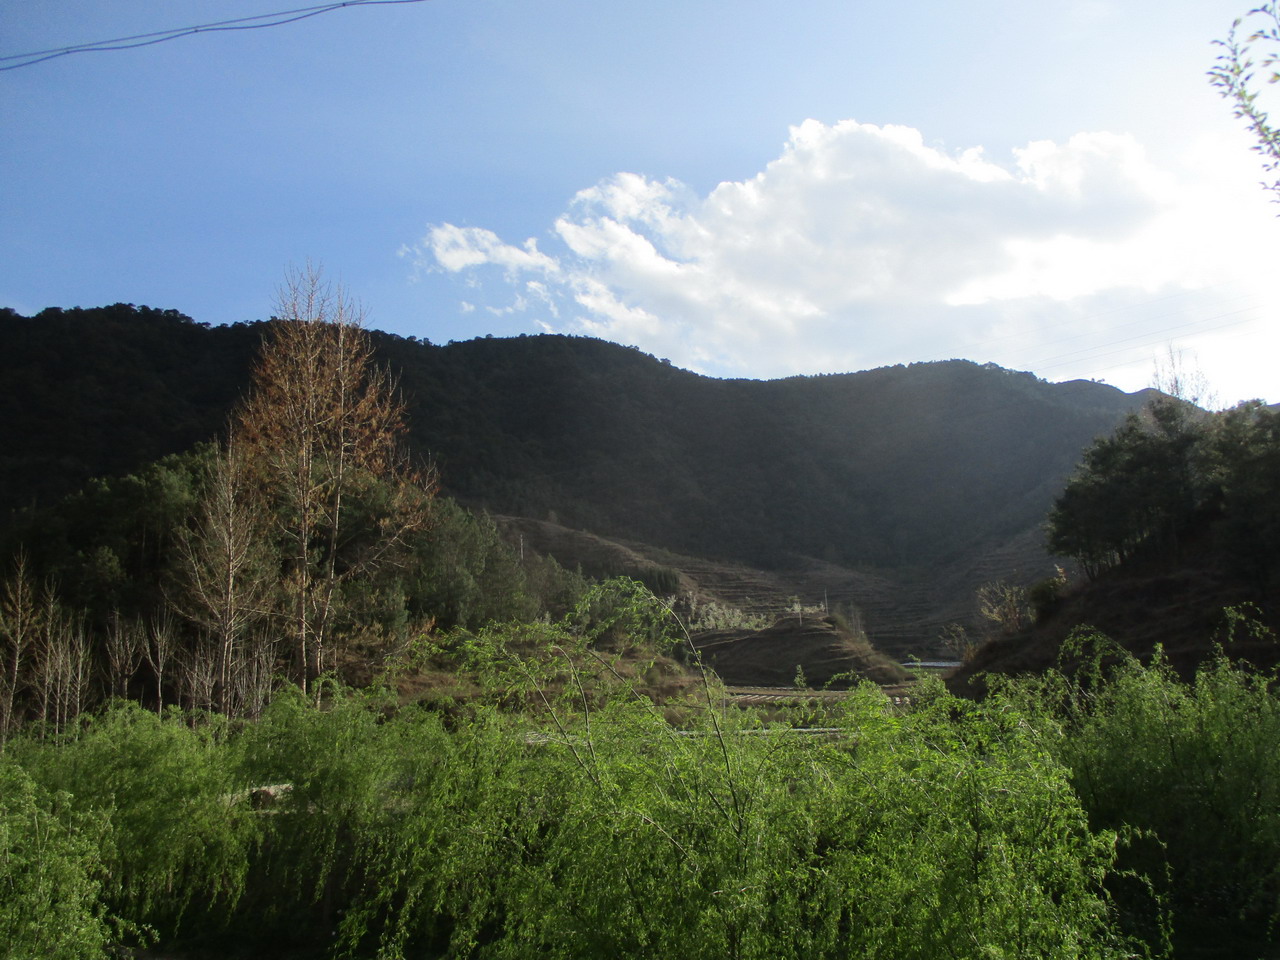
(814, 647)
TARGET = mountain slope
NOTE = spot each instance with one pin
(923, 479)
(1178, 601)
(901, 466)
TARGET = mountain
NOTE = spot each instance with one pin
(925, 480)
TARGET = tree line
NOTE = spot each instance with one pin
(304, 538)
(1172, 473)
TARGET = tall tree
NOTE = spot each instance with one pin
(20, 629)
(323, 423)
(224, 572)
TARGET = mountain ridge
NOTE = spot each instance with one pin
(914, 473)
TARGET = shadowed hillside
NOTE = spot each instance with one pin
(819, 646)
(899, 489)
(896, 467)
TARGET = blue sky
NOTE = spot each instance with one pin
(749, 190)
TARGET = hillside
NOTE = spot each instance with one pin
(1147, 601)
(818, 646)
(899, 489)
(897, 467)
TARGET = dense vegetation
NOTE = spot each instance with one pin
(1071, 816)
(305, 542)
(1168, 474)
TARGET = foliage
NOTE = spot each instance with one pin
(1006, 606)
(1233, 75)
(703, 613)
(164, 784)
(1245, 446)
(563, 814)
(1191, 767)
(1154, 479)
(1044, 595)
(601, 832)
(51, 870)
(462, 573)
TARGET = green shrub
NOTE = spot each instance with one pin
(166, 788)
(1193, 767)
(50, 874)
(947, 834)
(593, 828)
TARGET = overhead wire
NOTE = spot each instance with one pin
(277, 19)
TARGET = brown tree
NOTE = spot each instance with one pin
(323, 421)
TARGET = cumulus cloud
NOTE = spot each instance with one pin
(457, 248)
(858, 245)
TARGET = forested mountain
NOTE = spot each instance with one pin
(900, 465)
(104, 391)
(913, 468)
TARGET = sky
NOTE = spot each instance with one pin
(748, 190)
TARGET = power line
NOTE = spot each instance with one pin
(160, 36)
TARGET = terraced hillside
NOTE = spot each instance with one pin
(901, 614)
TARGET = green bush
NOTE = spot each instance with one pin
(593, 828)
(947, 833)
(1192, 767)
(166, 788)
(50, 874)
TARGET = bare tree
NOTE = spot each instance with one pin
(321, 419)
(198, 669)
(20, 629)
(252, 682)
(125, 642)
(1178, 376)
(225, 575)
(78, 661)
(61, 663)
(159, 650)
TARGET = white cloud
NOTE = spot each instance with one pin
(861, 245)
(457, 248)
